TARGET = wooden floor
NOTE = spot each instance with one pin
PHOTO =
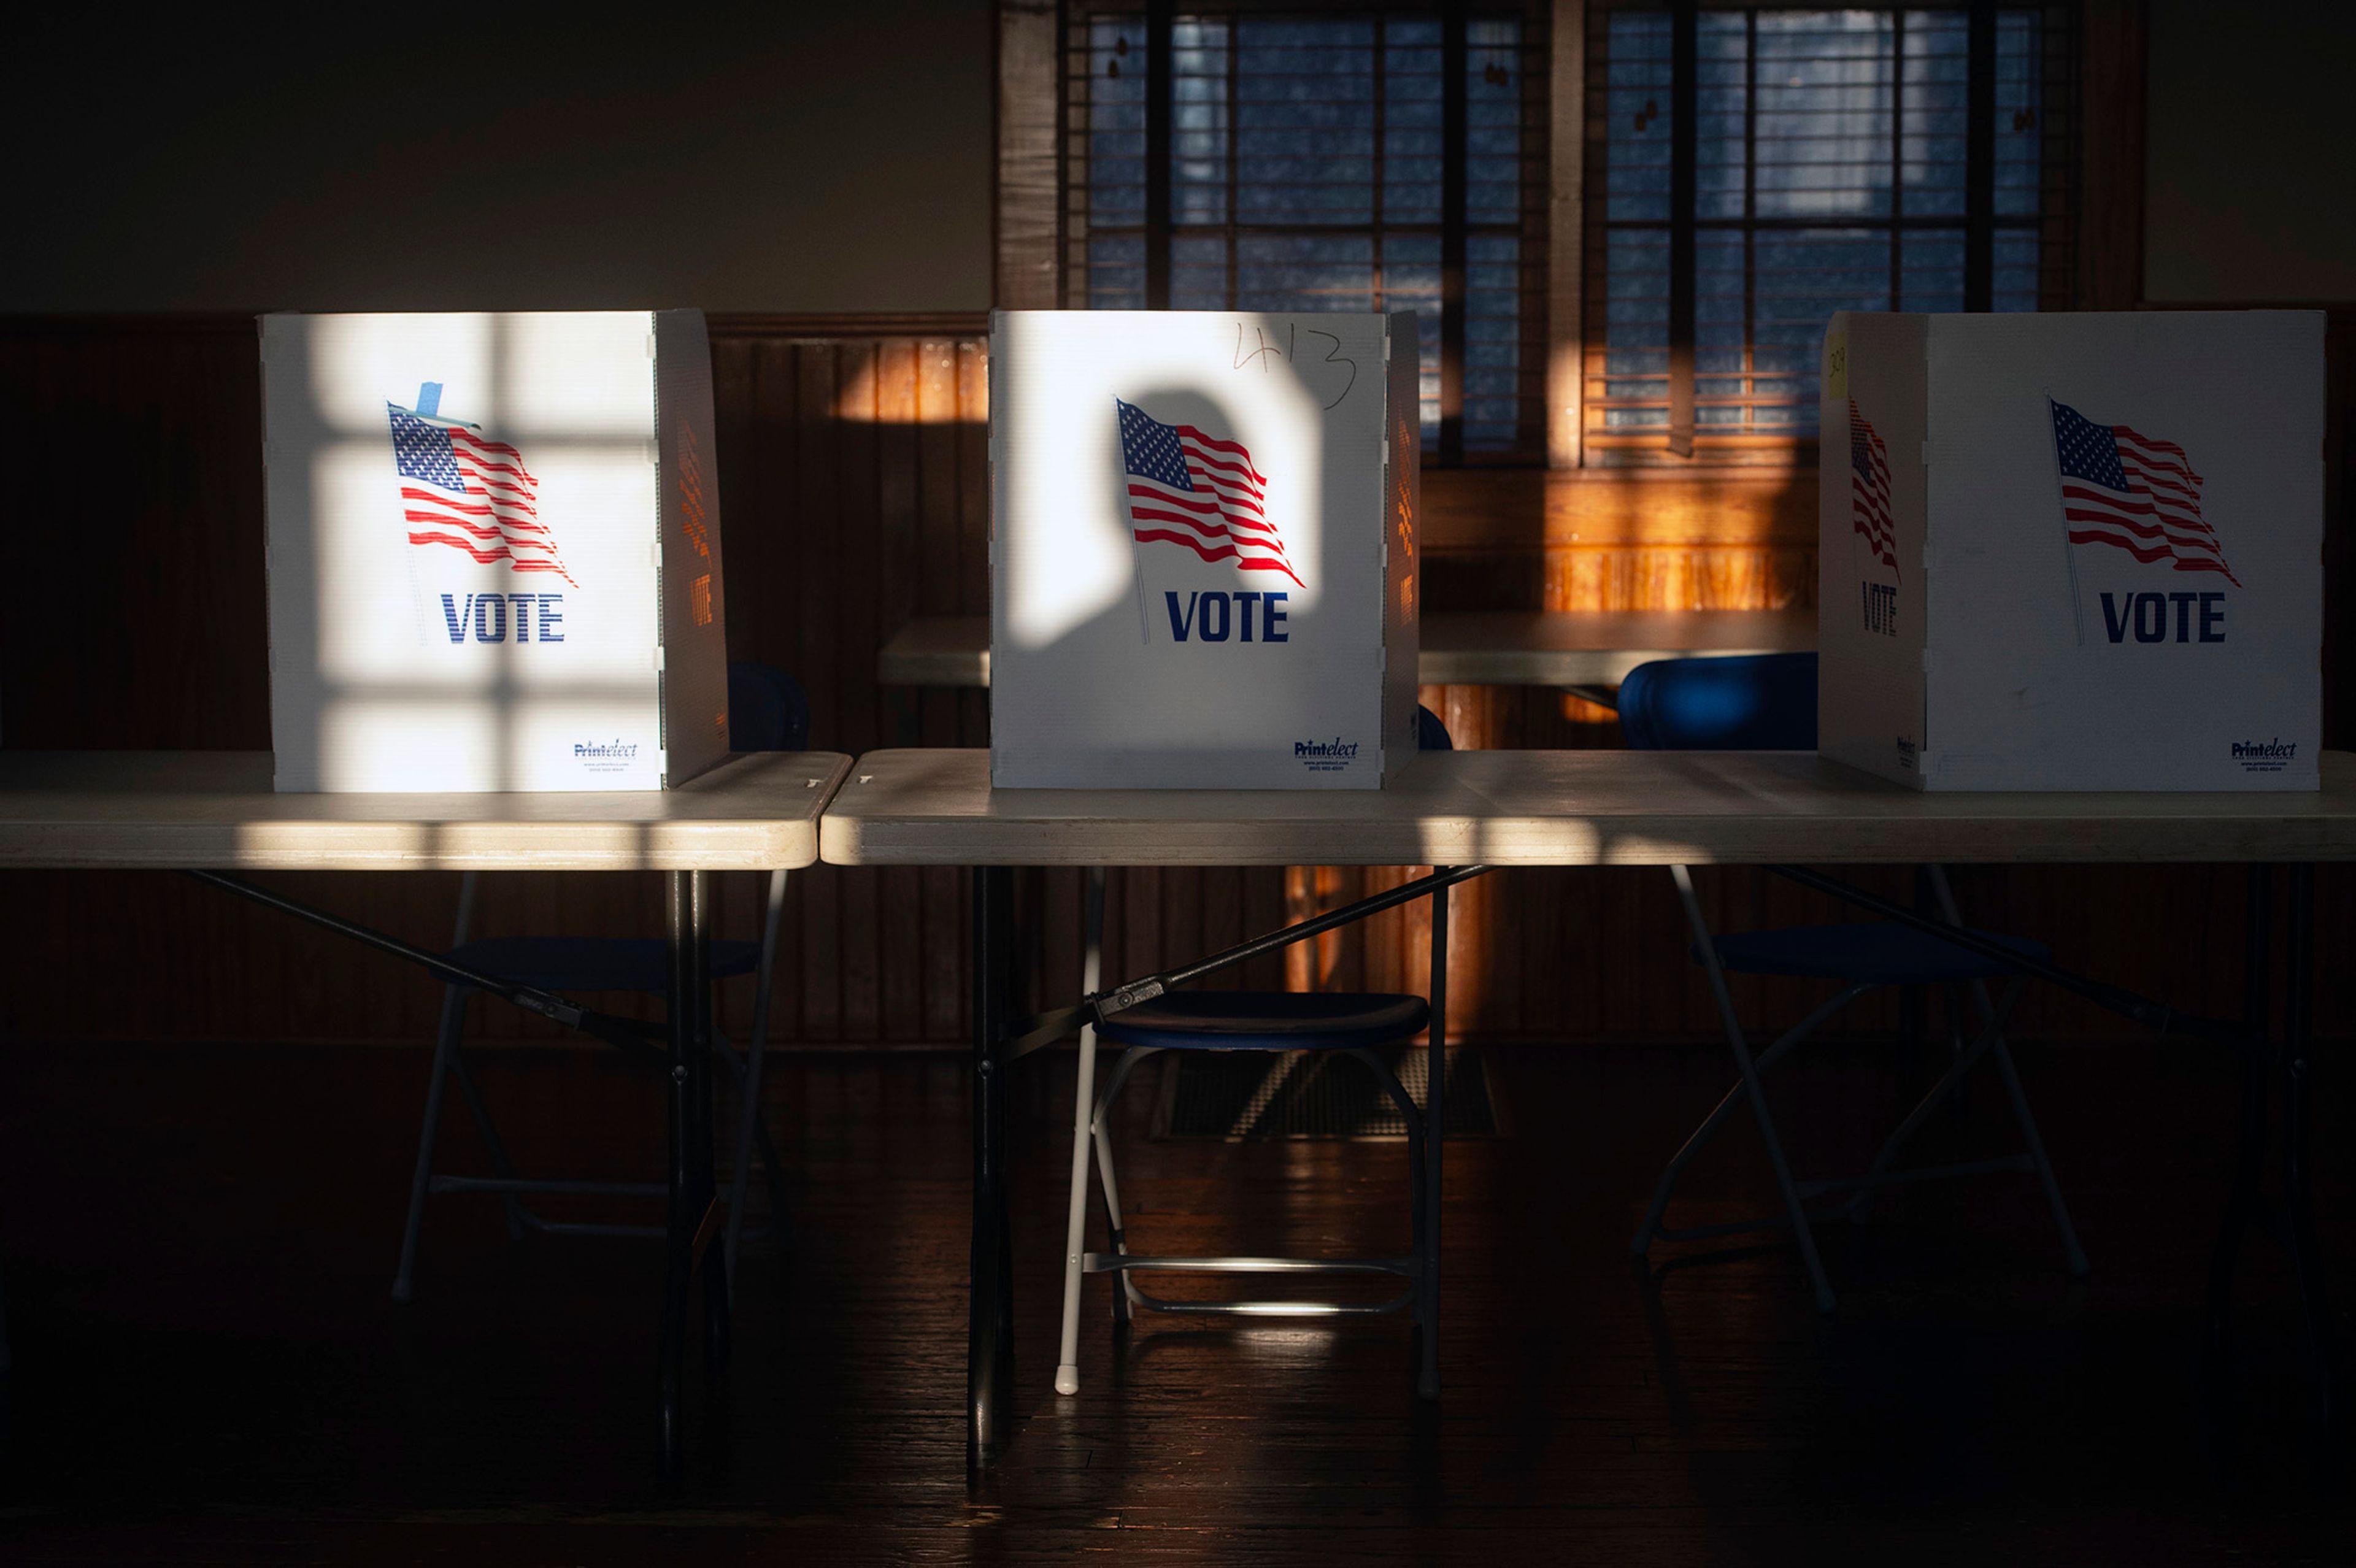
(197, 1242)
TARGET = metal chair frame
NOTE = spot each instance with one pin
(1988, 1044)
(1421, 1268)
(450, 1063)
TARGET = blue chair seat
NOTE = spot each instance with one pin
(1267, 1020)
(1871, 952)
(593, 963)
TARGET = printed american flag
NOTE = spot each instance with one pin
(1186, 488)
(458, 490)
(2129, 490)
(1868, 490)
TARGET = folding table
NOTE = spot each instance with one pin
(212, 812)
(1468, 811)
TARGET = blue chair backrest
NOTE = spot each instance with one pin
(1751, 702)
(1430, 734)
(767, 710)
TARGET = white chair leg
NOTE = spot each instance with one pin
(1126, 1294)
(1076, 1219)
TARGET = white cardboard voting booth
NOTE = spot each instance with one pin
(494, 552)
(1203, 553)
(2073, 551)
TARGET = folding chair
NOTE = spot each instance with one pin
(1768, 702)
(766, 712)
(1351, 1024)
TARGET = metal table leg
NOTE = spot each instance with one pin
(706, 1240)
(2241, 1202)
(1435, 1139)
(2290, 1216)
(686, 902)
(990, 1330)
(2298, 1208)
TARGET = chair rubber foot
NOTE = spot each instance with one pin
(1067, 1380)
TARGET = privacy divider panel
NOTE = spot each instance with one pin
(852, 477)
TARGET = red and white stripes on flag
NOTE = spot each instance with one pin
(2133, 492)
(1190, 489)
(460, 490)
(1869, 490)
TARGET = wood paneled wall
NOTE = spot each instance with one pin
(853, 469)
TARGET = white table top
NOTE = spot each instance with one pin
(216, 810)
(1560, 808)
(1577, 647)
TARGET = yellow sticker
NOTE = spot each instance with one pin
(1836, 364)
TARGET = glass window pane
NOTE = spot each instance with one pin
(1931, 270)
(1823, 90)
(2013, 283)
(1117, 271)
(2019, 131)
(1412, 147)
(1936, 98)
(1305, 121)
(1721, 114)
(1304, 271)
(1799, 278)
(1493, 299)
(1493, 121)
(1636, 110)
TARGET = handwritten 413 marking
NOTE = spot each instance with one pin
(1290, 352)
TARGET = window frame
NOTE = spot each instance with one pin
(2105, 226)
(1534, 238)
(1685, 442)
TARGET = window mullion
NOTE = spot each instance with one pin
(1979, 158)
(1750, 216)
(1382, 90)
(1897, 160)
(1158, 165)
(1683, 137)
(1235, 160)
(1452, 197)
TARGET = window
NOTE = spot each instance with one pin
(1393, 160)
(1752, 170)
